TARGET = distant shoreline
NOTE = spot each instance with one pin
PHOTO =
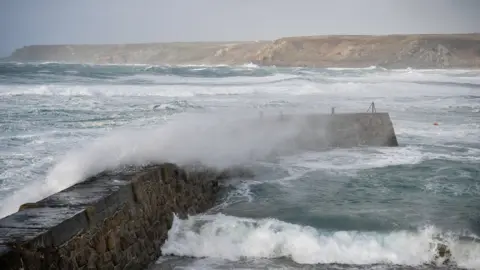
(427, 51)
(234, 65)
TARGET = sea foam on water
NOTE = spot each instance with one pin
(63, 123)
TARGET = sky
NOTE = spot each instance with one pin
(31, 22)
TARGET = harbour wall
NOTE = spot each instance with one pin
(120, 220)
(317, 131)
(111, 221)
(369, 129)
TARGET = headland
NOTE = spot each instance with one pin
(423, 51)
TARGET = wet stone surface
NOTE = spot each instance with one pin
(110, 221)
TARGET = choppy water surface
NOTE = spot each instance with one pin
(362, 208)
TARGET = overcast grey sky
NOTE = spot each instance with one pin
(27, 22)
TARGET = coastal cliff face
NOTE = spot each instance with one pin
(395, 51)
(154, 53)
(418, 51)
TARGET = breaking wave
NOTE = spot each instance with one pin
(234, 238)
(65, 122)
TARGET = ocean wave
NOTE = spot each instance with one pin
(470, 85)
(175, 106)
(233, 238)
(240, 80)
(96, 73)
(153, 74)
(193, 116)
(359, 68)
(159, 86)
(286, 85)
(220, 140)
(354, 159)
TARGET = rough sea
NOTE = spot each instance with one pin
(357, 208)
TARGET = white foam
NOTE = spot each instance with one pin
(218, 139)
(222, 141)
(233, 238)
(354, 159)
(162, 86)
(250, 66)
(444, 132)
(365, 68)
(386, 85)
(207, 81)
(416, 75)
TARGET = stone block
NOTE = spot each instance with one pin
(111, 240)
(103, 198)
(92, 261)
(22, 248)
(81, 257)
(9, 259)
(28, 205)
(51, 227)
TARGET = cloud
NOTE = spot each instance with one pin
(58, 22)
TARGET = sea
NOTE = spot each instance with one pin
(305, 208)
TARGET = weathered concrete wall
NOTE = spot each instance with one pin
(112, 221)
(317, 131)
(372, 129)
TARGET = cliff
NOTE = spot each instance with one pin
(153, 53)
(396, 51)
(392, 51)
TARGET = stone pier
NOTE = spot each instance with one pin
(111, 221)
(337, 130)
(120, 220)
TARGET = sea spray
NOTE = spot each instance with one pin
(233, 238)
(64, 122)
(220, 139)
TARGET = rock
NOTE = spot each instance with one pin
(27, 206)
(443, 255)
